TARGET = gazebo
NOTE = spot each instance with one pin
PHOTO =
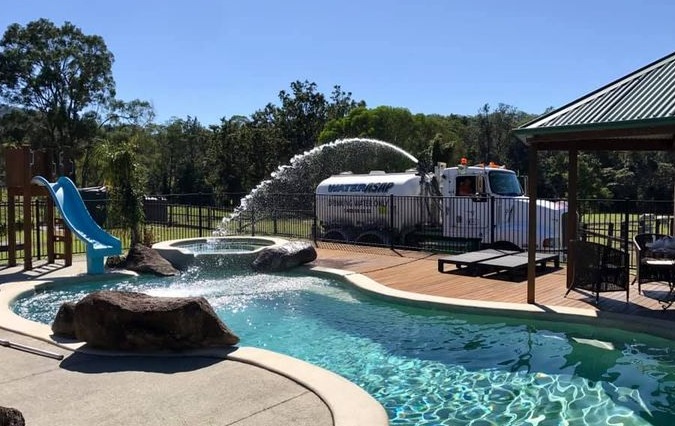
(633, 113)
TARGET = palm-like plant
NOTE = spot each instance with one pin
(123, 178)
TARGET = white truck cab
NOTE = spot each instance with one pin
(487, 202)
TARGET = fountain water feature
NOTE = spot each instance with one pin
(291, 184)
(231, 252)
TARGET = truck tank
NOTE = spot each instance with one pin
(350, 206)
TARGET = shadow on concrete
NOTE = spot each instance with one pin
(17, 273)
(155, 363)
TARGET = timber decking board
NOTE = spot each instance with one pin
(418, 272)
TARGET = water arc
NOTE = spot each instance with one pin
(289, 185)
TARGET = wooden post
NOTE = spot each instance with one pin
(27, 228)
(532, 222)
(572, 209)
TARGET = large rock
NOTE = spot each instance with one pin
(144, 259)
(137, 322)
(284, 256)
(64, 323)
(11, 417)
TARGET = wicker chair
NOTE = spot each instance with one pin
(598, 268)
(646, 273)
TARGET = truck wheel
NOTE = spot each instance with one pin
(373, 237)
(505, 245)
(336, 235)
(412, 240)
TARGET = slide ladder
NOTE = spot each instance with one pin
(75, 215)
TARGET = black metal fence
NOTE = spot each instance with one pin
(438, 224)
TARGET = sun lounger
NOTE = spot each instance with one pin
(518, 261)
(472, 258)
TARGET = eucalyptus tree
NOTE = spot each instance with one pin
(434, 138)
(491, 139)
(117, 115)
(304, 111)
(386, 123)
(58, 72)
(242, 152)
(19, 126)
(189, 140)
(227, 157)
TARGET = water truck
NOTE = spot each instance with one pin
(484, 204)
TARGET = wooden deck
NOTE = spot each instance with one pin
(417, 272)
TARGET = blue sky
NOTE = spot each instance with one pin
(214, 59)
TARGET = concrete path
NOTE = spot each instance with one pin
(84, 389)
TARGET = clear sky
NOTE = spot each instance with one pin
(216, 58)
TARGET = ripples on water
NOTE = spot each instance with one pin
(431, 367)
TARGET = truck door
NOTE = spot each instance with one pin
(467, 208)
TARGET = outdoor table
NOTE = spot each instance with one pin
(668, 265)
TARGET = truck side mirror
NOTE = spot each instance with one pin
(481, 196)
(480, 184)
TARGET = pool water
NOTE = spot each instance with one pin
(220, 247)
(429, 367)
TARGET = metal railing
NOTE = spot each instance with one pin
(437, 224)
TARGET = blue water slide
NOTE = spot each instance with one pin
(77, 218)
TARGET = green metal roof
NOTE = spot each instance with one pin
(644, 96)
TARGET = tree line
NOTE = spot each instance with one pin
(57, 92)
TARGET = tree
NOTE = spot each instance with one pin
(59, 72)
(491, 137)
(136, 115)
(428, 137)
(177, 157)
(304, 112)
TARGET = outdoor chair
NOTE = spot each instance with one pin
(598, 268)
(648, 273)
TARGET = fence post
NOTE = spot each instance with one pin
(201, 223)
(209, 217)
(391, 221)
(37, 228)
(11, 230)
(274, 220)
(314, 228)
(492, 219)
(625, 226)
(252, 221)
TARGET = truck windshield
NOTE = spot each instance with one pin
(504, 183)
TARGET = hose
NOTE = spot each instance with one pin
(30, 349)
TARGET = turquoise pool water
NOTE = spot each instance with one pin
(430, 367)
(210, 247)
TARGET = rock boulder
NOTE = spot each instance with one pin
(144, 259)
(284, 256)
(11, 417)
(130, 321)
(64, 323)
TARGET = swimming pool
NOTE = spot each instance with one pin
(429, 367)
